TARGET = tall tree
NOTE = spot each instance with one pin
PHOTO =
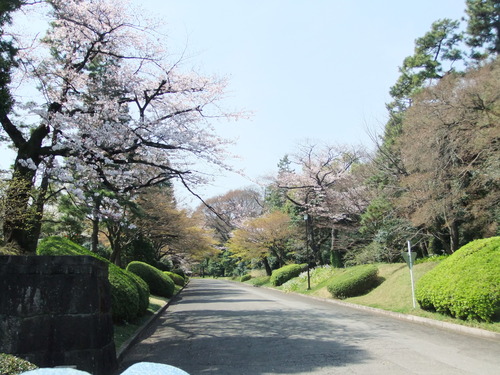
(173, 233)
(7, 53)
(228, 211)
(144, 124)
(323, 190)
(450, 148)
(483, 26)
(263, 237)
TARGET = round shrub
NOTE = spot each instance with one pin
(285, 273)
(466, 285)
(354, 281)
(245, 277)
(159, 283)
(125, 304)
(143, 292)
(11, 365)
(127, 301)
(176, 278)
(179, 272)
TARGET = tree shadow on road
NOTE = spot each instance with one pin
(254, 341)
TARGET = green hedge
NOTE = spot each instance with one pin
(159, 283)
(179, 272)
(143, 291)
(245, 277)
(129, 294)
(466, 285)
(285, 273)
(176, 278)
(11, 365)
(354, 281)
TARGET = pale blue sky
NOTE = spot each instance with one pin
(317, 69)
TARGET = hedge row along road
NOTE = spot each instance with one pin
(224, 328)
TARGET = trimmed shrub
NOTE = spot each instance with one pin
(11, 365)
(159, 283)
(179, 272)
(285, 273)
(354, 281)
(259, 281)
(466, 285)
(176, 278)
(245, 277)
(143, 291)
(129, 296)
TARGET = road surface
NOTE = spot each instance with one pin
(224, 328)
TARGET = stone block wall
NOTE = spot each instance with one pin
(56, 311)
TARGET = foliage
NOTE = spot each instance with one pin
(285, 273)
(172, 233)
(261, 280)
(262, 237)
(176, 278)
(7, 54)
(11, 365)
(68, 220)
(112, 105)
(179, 272)
(466, 285)
(245, 277)
(432, 51)
(129, 296)
(143, 292)
(317, 275)
(326, 190)
(450, 151)
(432, 258)
(159, 283)
(354, 281)
(440, 54)
(224, 213)
(483, 26)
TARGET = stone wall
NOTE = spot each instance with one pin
(56, 311)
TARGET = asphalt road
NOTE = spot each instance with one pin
(224, 328)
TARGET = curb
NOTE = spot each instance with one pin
(124, 348)
(478, 332)
(418, 319)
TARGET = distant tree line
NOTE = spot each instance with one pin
(433, 178)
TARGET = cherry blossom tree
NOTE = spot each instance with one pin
(229, 211)
(112, 105)
(323, 186)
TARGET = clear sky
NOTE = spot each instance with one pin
(307, 69)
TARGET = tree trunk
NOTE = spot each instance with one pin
(95, 224)
(115, 242)
(445, 241)
(21, 218)
(39, 206)
(265, 261)
(454, 236)
(335, 258)
(313, 245)
(95, 235)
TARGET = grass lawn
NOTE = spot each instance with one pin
(393, 294)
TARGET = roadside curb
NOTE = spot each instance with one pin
(124, 348)
(419, 319)
(408, 317)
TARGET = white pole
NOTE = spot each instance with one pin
(411, 276)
